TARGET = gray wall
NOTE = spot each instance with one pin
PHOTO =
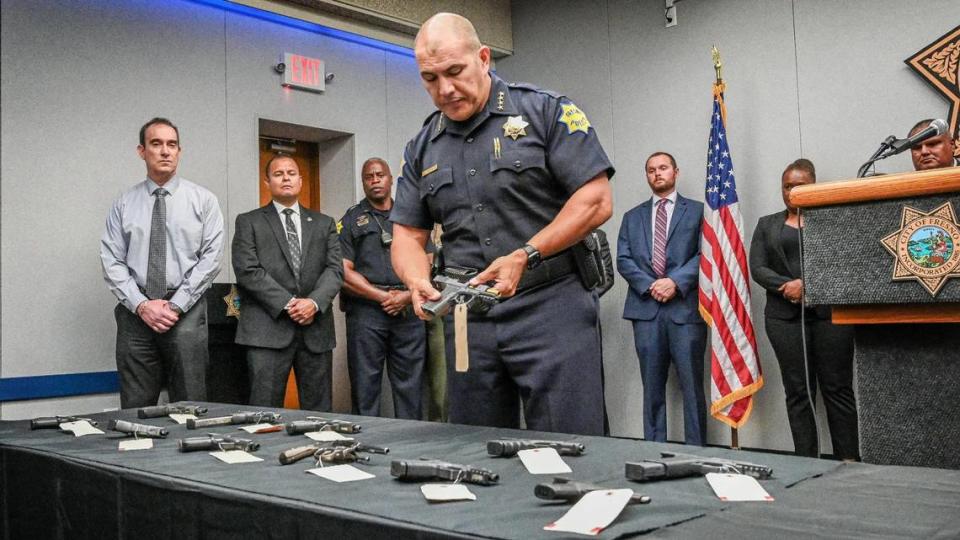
(819, 79)
(78, 80)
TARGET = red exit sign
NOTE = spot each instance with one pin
(303, 72)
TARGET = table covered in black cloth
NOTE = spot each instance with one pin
(57, 486)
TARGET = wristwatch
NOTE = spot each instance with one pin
(533, 256)
(175, 308)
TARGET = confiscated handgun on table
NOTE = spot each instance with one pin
(429, 469)
(235, 419)
(672, 465)
(478, 298)
(138, 430)
(315, 423)
(564, 489)
(164, 410)
(216, 442)
(510, 447)
(53, 422)
(340, 451)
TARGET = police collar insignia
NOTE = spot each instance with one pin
(500, 101)
(926, 247)
(573, 117)
(514, 127)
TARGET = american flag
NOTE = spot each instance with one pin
(725, 283)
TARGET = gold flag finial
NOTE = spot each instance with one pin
(717, 64)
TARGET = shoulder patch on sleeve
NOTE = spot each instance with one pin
(339, 226)
(573, 118)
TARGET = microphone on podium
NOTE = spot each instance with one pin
(892, 146)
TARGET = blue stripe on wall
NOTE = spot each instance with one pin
(342, 35)
(70, 384)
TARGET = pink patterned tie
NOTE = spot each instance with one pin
(660, 240)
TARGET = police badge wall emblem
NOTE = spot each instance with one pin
(927, 247)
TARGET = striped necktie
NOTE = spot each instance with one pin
(293, 240)
(660, 240)
(156, 286)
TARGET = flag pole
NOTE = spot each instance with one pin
(719, 87)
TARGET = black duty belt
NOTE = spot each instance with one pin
(549, 269)
(400, 287)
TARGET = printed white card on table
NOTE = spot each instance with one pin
(737, 487)
(543, 461)
(235, 456)
(253, 428)
(447, 492)
(341, 473)
(593, 513)
(135, 444)
(80, 428)
(326, 436)
(181, 418)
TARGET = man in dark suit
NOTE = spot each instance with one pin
(658, 253)
(288, 265)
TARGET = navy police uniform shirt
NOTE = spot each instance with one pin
(497, 179)
(360, 241)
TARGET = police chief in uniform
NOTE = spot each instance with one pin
(381, 326)
(516, 176)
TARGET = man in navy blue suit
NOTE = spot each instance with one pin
(658, 253)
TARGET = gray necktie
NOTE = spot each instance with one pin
(157, 258)
(293, 239)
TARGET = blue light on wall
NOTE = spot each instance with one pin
(305, 25)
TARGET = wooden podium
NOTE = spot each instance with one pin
(884, 253)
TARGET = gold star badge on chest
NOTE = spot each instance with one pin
(514, 127)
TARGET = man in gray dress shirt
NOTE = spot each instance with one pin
(160, 251)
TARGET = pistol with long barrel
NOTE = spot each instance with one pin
(53, 422)
(672, 465)
(312, 424)
(564, 489)
(340, 451)
(429, 469)
(235, 419)
(216, 442)
(138, 430)
(478, 298)
(510, 447)
(164, 410)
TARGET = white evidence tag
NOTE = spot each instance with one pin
(447, 492)
(181, 418)
(80, 428)
(326, 436)
(593, 512)
(737, 487)
(235, 456)
(255, 427)
(341, 473)
(135, 444)
(543, 461)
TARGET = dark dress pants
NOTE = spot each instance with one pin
(830, 366)
(269, 370)
(375, 338)
(660, 341)
(148, 361)
(540, 348)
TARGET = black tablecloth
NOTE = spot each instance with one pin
(56, 485)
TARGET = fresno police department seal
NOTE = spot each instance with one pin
(927, 247)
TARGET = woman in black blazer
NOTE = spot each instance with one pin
(775, 265)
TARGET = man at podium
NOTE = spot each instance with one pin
(933, 153)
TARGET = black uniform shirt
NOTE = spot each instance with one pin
(360, 241)
(497, 179)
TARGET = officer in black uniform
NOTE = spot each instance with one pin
(381, 326)
(516, 176)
